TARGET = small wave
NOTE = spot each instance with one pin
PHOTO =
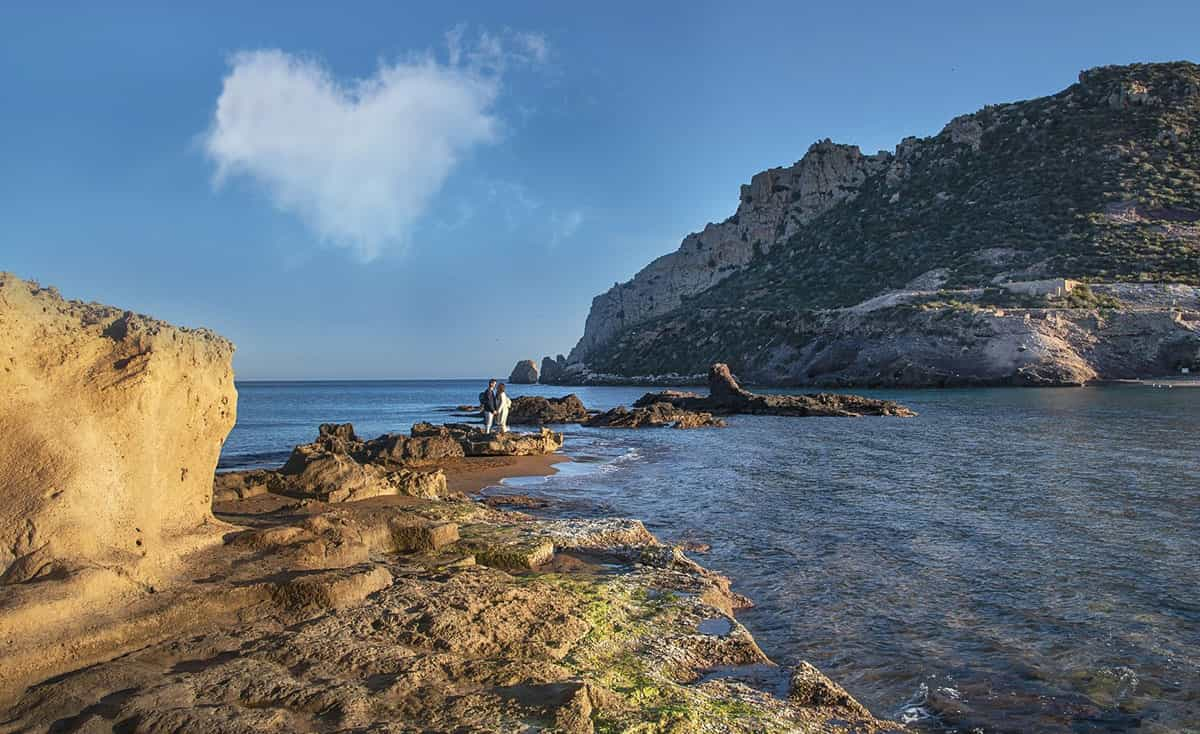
(630, 456)
(524, 482)
(916, 709)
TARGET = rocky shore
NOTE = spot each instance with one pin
(355, 588)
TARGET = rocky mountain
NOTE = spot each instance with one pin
(1048, 241)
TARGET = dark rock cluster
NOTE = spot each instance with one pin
(726, 397)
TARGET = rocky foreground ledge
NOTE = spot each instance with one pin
(410, 614)
(351, 590)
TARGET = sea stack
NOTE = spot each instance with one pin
(524, 373)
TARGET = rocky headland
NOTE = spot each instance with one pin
(352, 589)
(1052, 241)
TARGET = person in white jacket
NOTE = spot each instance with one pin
(505, 404)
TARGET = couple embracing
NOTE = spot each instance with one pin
(495, 404)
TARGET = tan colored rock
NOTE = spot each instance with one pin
(475, 442)
(430, 484)
(811, 688)
(544, 441)
(524, 373)
(112, 426)
(426, 536)
(84, 390)
(240, 485)
(332, 477)
(400, 449)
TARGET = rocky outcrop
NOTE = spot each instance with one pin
(951, 226)
(475, 442)
(112, 423)
(241, 485)
(398, 449)
(653, 415)
(356, 617)
(770, 209)
(340, 467)
(332, 477)
(539, 411)
(524, 373)
(552, 370)
(726, 396)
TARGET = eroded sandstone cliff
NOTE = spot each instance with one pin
(112, 425)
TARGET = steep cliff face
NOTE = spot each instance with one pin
(111, 423)
(1100, 182)
(771, 207)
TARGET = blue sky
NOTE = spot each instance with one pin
(378, 190)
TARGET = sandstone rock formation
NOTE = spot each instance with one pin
(536, 410)
(524, 373)
(475, 442)
(654, 415)
(112, 425)
(340, 467)
(920, 266)
(726, 397)
(390, 617)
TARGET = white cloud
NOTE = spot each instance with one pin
(358, 161)
(535, 46)
(564, 225)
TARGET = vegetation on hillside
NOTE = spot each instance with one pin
(1099, 182)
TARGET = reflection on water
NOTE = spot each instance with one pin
(1012, 560)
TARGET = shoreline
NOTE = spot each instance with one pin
(603, 626)
(471, 475)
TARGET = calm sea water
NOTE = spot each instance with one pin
(1011, 560)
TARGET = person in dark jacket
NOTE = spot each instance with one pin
(491, 404)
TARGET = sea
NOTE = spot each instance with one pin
(1012, 560)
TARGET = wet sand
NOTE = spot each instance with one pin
(471, 474)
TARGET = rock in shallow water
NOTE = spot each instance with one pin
(727, 397)
(537, 410)
(524, 373)
(654, 415)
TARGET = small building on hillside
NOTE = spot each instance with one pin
(1049, 288)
